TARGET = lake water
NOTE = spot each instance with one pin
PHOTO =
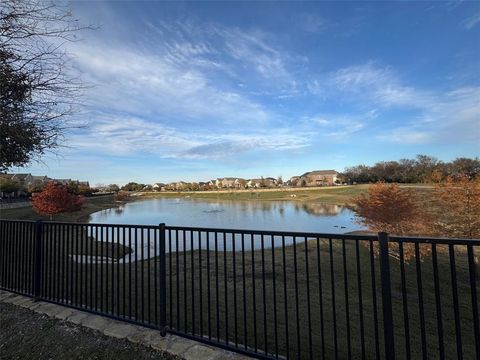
(233, 214)
(225, 214)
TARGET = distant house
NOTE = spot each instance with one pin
(294, 181)
(270, 182)
(318, 178)
(26, 182)
(262, 183)
(37, 183)
(240, 183)
(23, 179)
(181, 185)
(202, 185)
(64, 182)
(227, 182)
(41, 179)
(158, 187)
(254, 183)
(170, 186)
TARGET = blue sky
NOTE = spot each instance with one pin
(194, 91)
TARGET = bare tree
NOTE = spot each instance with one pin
(38, 93)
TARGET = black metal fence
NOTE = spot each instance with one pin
(267, 294)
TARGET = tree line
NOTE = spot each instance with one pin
(422, 169)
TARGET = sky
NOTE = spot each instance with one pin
(198, 90)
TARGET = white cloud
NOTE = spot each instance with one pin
(430, 116)
(120, 136)
(379, 84)
(123, 135)
(451, 117)
(232, 144)
(472, 21)
(406, 135)
(357, 77)
(136, 82)
(339, 127)
(242, 54)
(184, 78)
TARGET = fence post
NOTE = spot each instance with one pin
(163, 282)
(37, 275)
(386, 296)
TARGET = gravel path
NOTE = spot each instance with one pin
(25, 334)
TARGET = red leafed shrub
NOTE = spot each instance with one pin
(55, 199)
(389, 208)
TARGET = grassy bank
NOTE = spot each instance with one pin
(339, 195)
(93, 204)
(207, 294)
(332, 195)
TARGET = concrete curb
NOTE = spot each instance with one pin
(172, 345)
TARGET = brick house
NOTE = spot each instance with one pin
(318, 178)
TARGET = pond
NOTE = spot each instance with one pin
(233, 214)
(226, 214)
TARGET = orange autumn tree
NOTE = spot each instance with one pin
(456, 210)
(388, 208)
(55, 199)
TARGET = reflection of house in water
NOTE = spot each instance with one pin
(279, 207)
(320, 209)
(119, 210)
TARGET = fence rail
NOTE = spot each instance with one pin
(268, 294)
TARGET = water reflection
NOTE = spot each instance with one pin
(235, 214)
(225, 214)
(145, 242)
(119, 210)
(320, 209)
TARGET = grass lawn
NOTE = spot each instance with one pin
(207, 295)
(333, 195)
(339, 195)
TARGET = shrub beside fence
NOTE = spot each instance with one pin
(267, 294)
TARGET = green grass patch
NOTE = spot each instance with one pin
(282, 288)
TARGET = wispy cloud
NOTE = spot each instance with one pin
(472, 21)
(408, 135)
(337, 127)
(231, 144)
(449, 118)
(175, 100)
(429, 116)
(147, 84)
(246, 54)
(125, 135)
(379, 84)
